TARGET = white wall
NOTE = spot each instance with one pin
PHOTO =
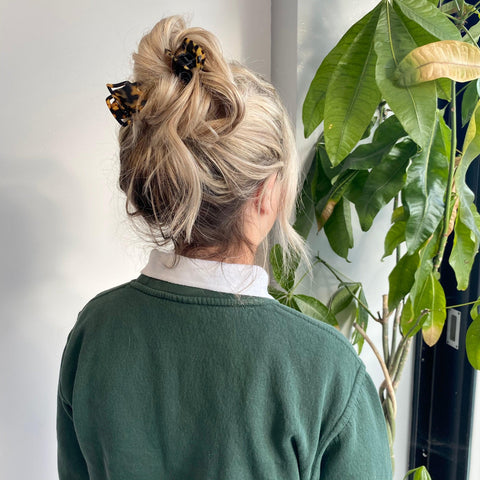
(64, 235)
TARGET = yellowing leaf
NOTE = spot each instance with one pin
(432, 299)
(452, 59)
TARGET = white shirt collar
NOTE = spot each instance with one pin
(234, 278)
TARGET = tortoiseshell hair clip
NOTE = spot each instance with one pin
(186, 58)
(124, 100)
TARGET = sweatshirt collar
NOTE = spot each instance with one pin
(250, 280)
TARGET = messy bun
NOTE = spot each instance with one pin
(197, 151)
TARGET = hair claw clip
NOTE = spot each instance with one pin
(186, 58)
(124, 100)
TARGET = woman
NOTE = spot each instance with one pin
(192, 371)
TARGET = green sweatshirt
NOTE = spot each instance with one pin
(164, 381)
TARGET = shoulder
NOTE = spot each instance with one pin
(327, 341)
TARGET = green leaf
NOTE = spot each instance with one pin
(433, 299)
(472, 343)
(361, 317)
(369, 155)
(321, 181)
(469, 101)
(343, 297)
(286, 279)
(422, 37)
(314, 104)
(430, 18)
(314, 308)
(349, 109)
(417, 32)
(465, 248)
(474, 312)
(322, 157)
(384, 182)
(452, 59)
(415, 106)
(304, 217)
(338, 229)
(424, 191)
(401, 279)
(471, 149)
(419, 473)
(474, 32)
(444, 88)
(394, 237)
(406, 319)
(399, 215)
(427, 253)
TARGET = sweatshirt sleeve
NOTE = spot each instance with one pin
(71, 464)
(360, 450)
(70, 460)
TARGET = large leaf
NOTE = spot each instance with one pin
(428, 16)
(465, 248)
(452, 59)
(412, 310)
(424, 191)
(338, 229)
(352, 95)
(314, 104)
(433, 299)
(361, 318)
(401, 279)
(369, 155)
(471, 149)
(384, 182)
(422, 37)
(315, 308)
(415, 106)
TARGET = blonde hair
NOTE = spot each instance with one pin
(196, 152)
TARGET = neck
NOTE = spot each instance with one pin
(243, 256)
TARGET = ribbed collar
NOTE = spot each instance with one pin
(234, 278)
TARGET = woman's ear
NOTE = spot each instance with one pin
(266, 202)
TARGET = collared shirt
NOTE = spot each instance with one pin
(239, 279)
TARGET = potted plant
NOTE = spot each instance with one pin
(390, 140)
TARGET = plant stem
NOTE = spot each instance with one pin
(469, 35)
(451, 169)
(403, 359)
(386, 347)
(396, 326)
(461, 305)
(388, 380)
(402, 346)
